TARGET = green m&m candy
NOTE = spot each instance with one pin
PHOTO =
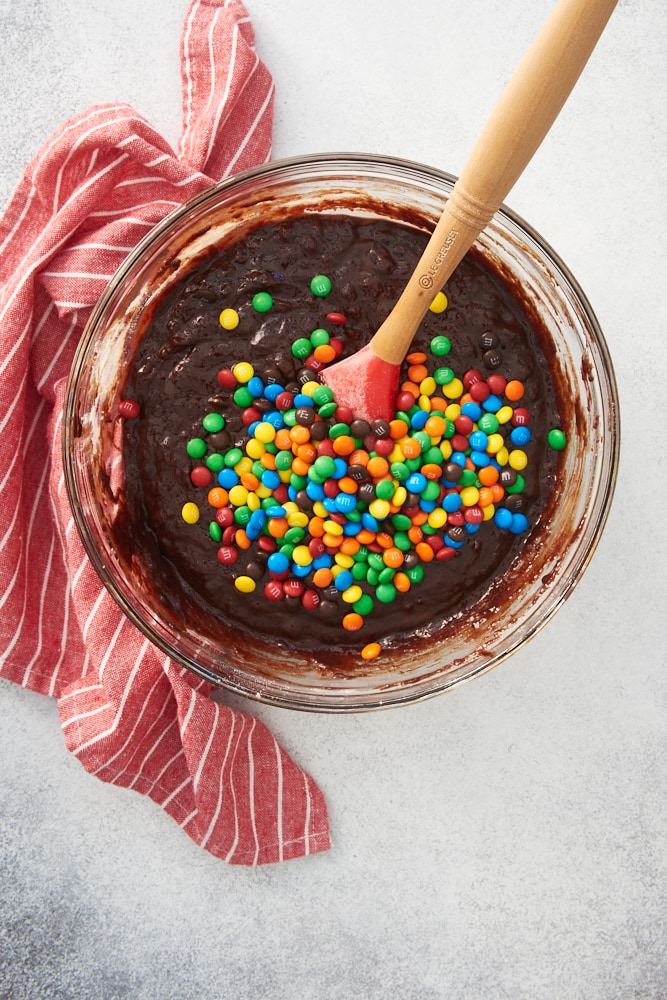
(557, 439)
(320, 285)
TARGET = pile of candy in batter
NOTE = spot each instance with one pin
(335, 506)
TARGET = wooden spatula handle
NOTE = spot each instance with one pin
(518, 124)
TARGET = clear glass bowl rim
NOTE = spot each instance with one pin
(340, 699)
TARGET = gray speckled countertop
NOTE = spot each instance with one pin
(507, 839)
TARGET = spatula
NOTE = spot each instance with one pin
(367, 382)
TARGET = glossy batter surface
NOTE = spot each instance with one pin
(174, 379)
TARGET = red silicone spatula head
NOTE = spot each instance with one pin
(367, 382)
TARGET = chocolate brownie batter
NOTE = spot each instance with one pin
(184, 372)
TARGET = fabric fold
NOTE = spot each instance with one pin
(129, 714)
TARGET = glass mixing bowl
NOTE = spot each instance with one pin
(552, 558)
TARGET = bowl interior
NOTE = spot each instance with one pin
(552, 559)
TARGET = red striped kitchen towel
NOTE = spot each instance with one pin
(129, 714)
